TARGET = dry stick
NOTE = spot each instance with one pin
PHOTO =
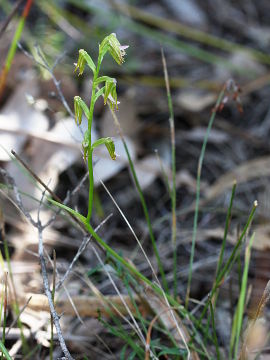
(49, 294)
(66, 290)
(40, 229)
(37, 224)
(87, 306)
(53, 293)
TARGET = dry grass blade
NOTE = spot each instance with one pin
(170, 319)
(150, 328)
(255, 335)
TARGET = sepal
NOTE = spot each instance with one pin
(84, 58)
(79, 107)
(108, 142)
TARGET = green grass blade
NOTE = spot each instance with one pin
(227, 225)
(68, 209)
(4, 351)
(13, 47)
(5, 312)
(215, 338)
(198, 190)
(230, 262)
(173, 165)
(238, 317)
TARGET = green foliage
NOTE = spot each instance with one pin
(4, 351)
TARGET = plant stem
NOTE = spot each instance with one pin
(91, 183)
(90, 150)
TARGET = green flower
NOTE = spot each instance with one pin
(79, 108)
(111, 44)
(82, 60)
(110, 94)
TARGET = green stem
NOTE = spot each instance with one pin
(91, 183)
(90, 150)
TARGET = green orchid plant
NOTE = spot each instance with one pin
(101, 86)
